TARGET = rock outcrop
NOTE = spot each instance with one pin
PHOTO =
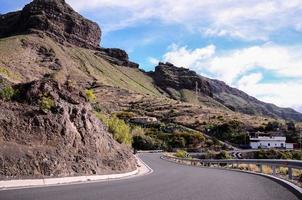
(117, 57)
(65, 140)
(166, 75)
(54, 18)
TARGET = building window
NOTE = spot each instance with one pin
(269, 144)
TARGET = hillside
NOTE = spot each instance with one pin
(182, 84)
(47, 125)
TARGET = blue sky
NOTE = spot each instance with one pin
(253, 45)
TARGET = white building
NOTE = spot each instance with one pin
(267, 142)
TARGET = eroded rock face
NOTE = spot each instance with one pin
(167, 75)
(55, 18)
(68, 140)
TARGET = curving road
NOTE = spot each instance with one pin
(169, 181)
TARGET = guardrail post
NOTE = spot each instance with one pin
(261, 168)
(274, 170)
(290, 173)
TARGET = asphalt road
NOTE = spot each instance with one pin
(169, 181)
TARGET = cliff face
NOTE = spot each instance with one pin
(54, 18)
(49, 39)
(167, 76)
(65, 140)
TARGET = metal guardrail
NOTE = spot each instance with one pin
(290, 164)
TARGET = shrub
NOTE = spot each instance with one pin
(144, 142)
(223, 155)
(7, 93)
(47, 103)
(90, 95)
(118, 128)
(181, 154)
(138, 131)
(182, 139)
(125, 115)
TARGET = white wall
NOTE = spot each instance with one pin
(267, 144)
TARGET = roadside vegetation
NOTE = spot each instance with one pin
(118, 128)
(181, 154)
(233, 132)
(278, 154)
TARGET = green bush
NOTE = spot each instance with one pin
(118, 128)
(125, 115)
(7, 93)
(277, 154)
(144, 142)
(232, 131)
(223, 155)
(47, 103)
(181, 154)
(90, 95)
(182, 139)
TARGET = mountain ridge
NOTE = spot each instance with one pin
(166, 76)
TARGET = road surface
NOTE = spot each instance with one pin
(169, 181)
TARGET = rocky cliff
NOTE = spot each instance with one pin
(54, 18)
(173, 80)
(61, 139)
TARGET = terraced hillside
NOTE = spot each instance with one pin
(25, 58)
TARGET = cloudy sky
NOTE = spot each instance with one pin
(253, 45)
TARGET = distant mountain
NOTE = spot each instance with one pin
(187, 85)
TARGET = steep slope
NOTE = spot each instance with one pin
(49, 129)
(51, 38)
(25, 58)
(181, 83)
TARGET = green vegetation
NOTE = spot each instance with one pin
(125, 115)
(118, 128)
(90, 95)
(223, 155)
(144, 142)
(181, 154)
(8, 74)
(232, 131)
(182, 139)
(47, 103)
(8, 92)
(277, 154)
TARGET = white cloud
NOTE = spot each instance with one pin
(182, 56)
(153, 61)
(249, 20)
(237, 68)
(250, 79)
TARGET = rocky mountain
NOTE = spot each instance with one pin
(178, 83)
(54, 18)
(47, 126)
